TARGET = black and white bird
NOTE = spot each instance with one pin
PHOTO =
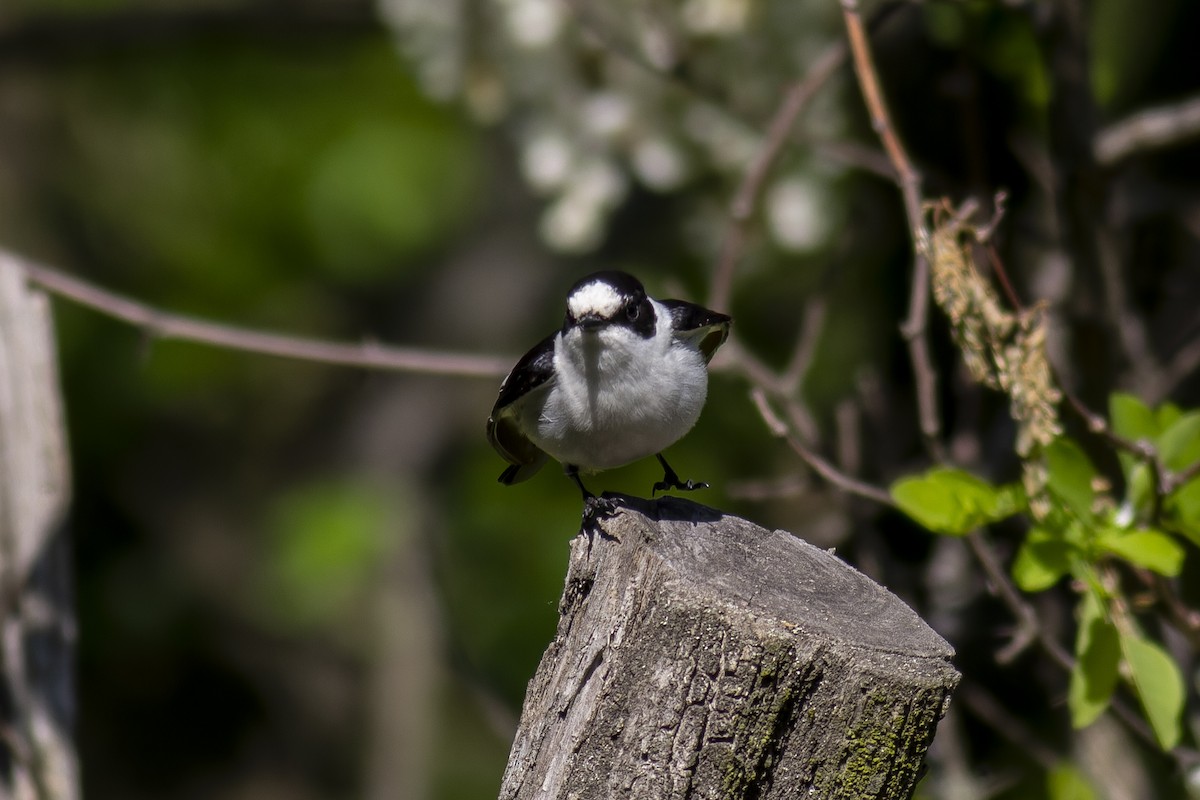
(624, 378)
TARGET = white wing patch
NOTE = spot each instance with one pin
(594, 298)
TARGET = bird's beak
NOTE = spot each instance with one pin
(591, 322)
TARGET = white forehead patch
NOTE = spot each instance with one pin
(594, 298)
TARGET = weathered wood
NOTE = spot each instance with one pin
(701, 656)
(37, 621)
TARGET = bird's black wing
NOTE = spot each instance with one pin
(534, 370)
(708, 328)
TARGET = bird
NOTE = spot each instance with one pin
(625, 377)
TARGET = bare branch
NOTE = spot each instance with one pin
(848, 442)
(819, 465)
(746, 200)
(664, 65)
(1178, 614)
(166, 325)
(811, 327)
(868, 80)
(1031, 628)
(733, 357)
(1150, 129)
(915, 325)
(1090, 237)
(1173, 481)
(1182, 365)
(858, 156)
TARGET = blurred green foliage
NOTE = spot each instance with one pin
(323, 543)
(1084, 530)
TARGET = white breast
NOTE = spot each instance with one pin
(617, 397)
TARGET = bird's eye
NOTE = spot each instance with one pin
(632, 311)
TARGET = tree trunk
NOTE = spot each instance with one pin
(701, 656)
(37, 621)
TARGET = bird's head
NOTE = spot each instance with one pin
(607, 299)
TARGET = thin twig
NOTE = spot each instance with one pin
(848, 424)
(868, 80)
(1150, 129)
(1179, 615)
(1182, 365)
(1141, 449)
(1001, 274)
(746, 200)
(166, 325)
(819, 465)
(914, 327)
(1164, 481)
(1084, 186)
(1174, 480)
(1031, 628)
(871, 160)
(734, 357)
(663, 66)
(812, 324)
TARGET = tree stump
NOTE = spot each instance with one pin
(701, 656)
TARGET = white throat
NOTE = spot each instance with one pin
(617, 396)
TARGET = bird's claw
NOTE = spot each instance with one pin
(597, 508)
(671, 480)
(674, 483)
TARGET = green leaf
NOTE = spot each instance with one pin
(1139, 487)
(1182, 509)
(1070, 475)
(949, 501)
(1151, 549)
(1168, 413)
(1042, 560)
(1179, 444)
(1159, 686)
(1066, 782)
(1132, 420)
(1097, 656)
(1010, 499)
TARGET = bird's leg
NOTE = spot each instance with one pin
(671, 480)
(594, 508)
(572, 472)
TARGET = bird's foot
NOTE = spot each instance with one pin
(672, 481)
(593, 507)
(595, 511)
(598, 508)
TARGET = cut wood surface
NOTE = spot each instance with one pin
(699, 655)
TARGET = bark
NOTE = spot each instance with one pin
(37, 623)
(701, 656)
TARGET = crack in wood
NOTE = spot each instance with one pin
(715, 659)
